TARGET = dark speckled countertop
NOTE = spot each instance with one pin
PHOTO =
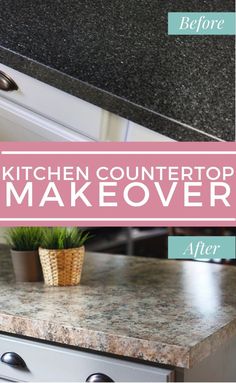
(171, 312)
(117, 54)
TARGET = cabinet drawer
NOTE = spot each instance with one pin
(54, 104)
(139, 133)
(57, 364)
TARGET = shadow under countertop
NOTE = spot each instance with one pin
(117, 54)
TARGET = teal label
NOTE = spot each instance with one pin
(184, 247)
(201, 23)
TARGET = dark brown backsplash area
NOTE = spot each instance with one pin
(147, 241)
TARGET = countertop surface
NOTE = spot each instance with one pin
(171, 312)
(117, 54)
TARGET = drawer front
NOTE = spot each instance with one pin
(139, 133)
(57, 364)
(54, 104)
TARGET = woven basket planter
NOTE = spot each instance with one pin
(62, 267)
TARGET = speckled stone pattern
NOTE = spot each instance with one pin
(117, 54)
(169, 312)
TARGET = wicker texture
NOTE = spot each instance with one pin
(62, 267)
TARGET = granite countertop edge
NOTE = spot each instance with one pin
(101, 98)
(117, 345)
(96, 341)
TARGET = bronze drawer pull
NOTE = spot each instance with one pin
(6, 83)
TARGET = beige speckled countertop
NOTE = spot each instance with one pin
(170, 312)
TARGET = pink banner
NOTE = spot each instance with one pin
(117, 184)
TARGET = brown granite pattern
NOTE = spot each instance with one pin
(169, 312)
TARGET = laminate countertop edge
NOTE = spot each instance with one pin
(97, 341)
(116, 345)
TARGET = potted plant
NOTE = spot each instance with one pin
(24, 243)
(62, 255)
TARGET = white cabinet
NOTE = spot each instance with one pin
(114, 128)
(137, 132)
(66, 116)
(20, 124)
(220, 366)
(49, 363)
(54, 104)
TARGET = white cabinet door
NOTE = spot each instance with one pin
(9, 131)
(139, 133)
(20, 124)
(58, 106)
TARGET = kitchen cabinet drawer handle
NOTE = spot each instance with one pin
(98, 377)
(13, 360)
(6, 83)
